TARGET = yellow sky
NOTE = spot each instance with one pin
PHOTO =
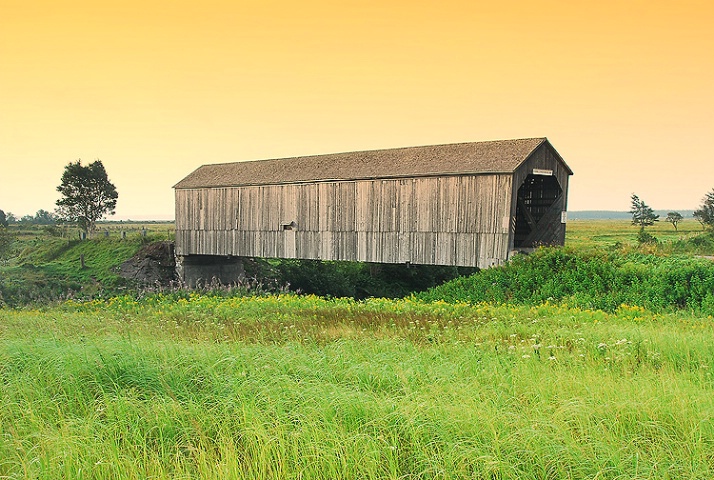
(623, 89)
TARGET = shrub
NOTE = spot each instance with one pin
(646, 238)
(358, 280)
(589, 280)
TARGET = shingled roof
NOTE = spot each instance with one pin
(502, 156)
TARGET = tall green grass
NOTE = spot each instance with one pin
(301, 387)
(601, 280)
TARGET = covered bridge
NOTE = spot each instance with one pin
(465, 204)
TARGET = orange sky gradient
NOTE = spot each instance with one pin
(624, 90)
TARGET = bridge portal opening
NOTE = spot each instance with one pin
(539, 207)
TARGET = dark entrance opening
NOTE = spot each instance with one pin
(538, 211)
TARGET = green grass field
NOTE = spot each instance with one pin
(300, 387)
(609, 233)
(209, 386)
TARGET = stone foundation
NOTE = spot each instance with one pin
(197, 270)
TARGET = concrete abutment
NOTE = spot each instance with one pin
(206, 269)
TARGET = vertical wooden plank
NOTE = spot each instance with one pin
(246, 208)
(325, 250)
(385, 251)
(370, 247)
(444, 248)
(314, 207)
(465, 249)
(214, 209)
(362, 213)
(324, 212)
(263, 208)
(423, 248)
(475, 198)
(179, 209)
(404, 247)
(407, 209)
(348, 206)
(447, 204)
(288, 244)
(485, 203)
(361, 246)
(307, 207)
(486, 250)
(427, 204)
(423, 206)
(376, 244)
(273, 204)
(386, 205)
(253, 211)
(503, 234)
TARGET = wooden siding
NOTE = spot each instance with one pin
(449, 220)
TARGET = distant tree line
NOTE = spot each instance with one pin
(42, 217)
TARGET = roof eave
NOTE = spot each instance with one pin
(356, 179)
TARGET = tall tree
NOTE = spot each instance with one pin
(674, 218)
(87, 194)
(3, 219)
(705, 213)
(642, 214)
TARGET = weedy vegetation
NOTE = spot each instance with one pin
(599, 280)
(449, 383)
(42, 268)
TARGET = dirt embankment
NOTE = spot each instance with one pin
(153, 263)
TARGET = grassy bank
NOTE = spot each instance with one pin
(43, 268)
(591, 279)
(301, 387)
